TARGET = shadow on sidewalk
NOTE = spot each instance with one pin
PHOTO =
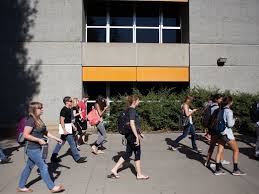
(9, 151)
(187, 151)
(126, 164)
(202, 139)
(53, 172)
(191, 154)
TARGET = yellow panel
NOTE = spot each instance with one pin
(109, 74)
(162, 74)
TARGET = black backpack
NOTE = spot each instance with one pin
(207, 115)
(254, 112)
(122, 124)
(219, 125)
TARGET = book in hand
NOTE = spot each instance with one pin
(68, 128)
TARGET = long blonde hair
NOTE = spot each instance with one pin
(75, 102)
(33, 106)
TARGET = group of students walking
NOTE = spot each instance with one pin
(219, 123)
(73, 120)
(73, 117)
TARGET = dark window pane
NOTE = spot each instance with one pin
(121, 35)
(171, 36)
(147, 36)
(121, 15)
(96, 35)
(96, 15)
(121, 88)
(171, 17)
(93, 89)
(147, 16)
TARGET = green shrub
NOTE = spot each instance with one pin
(160, 110)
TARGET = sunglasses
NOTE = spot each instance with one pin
(70, 101)
(40, 108)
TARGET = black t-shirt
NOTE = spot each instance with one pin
(36, 132)
(67, 113)
(133, 115)
(77, 111)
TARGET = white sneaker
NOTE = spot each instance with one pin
(172, 148)
(219, 172)
(225, 162)
(210, 165)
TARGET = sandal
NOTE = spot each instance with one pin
(143, 178)
(24, 190)
(59, 189)
(100, 152)
(113, 176)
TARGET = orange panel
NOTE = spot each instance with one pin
(162, 74)
(109, 74)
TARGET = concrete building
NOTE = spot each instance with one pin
(53, 48)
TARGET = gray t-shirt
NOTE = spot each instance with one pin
(36, 132)
(133, 115)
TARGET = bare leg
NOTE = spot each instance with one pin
(234, 147)
(117, 166)
(139, 173)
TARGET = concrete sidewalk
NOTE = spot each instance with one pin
(171, 172)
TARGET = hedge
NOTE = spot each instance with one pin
(160, 110)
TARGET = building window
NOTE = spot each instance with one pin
(133, 22)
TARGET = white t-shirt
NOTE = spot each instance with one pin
(190, 117)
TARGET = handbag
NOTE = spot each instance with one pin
(184, 120)
(93, 117)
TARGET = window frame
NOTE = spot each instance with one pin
(134, 27)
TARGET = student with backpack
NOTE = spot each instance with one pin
(223, 127)
(132, 134)
(254, 115)
(187, 124)
(34, 133)
(215, 105)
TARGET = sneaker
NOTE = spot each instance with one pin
(210, 165)
(4, 161)
(238, 173)
(81, 160)
(219, 172)
(225, 162)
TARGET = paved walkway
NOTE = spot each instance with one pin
(171, 172)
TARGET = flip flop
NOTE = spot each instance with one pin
(143, 178)
(113, 176)
(100, 152)
(60, 188)
(24, 190)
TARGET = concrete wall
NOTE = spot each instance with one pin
(41, 55)
(227, 28)
(128, 54)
